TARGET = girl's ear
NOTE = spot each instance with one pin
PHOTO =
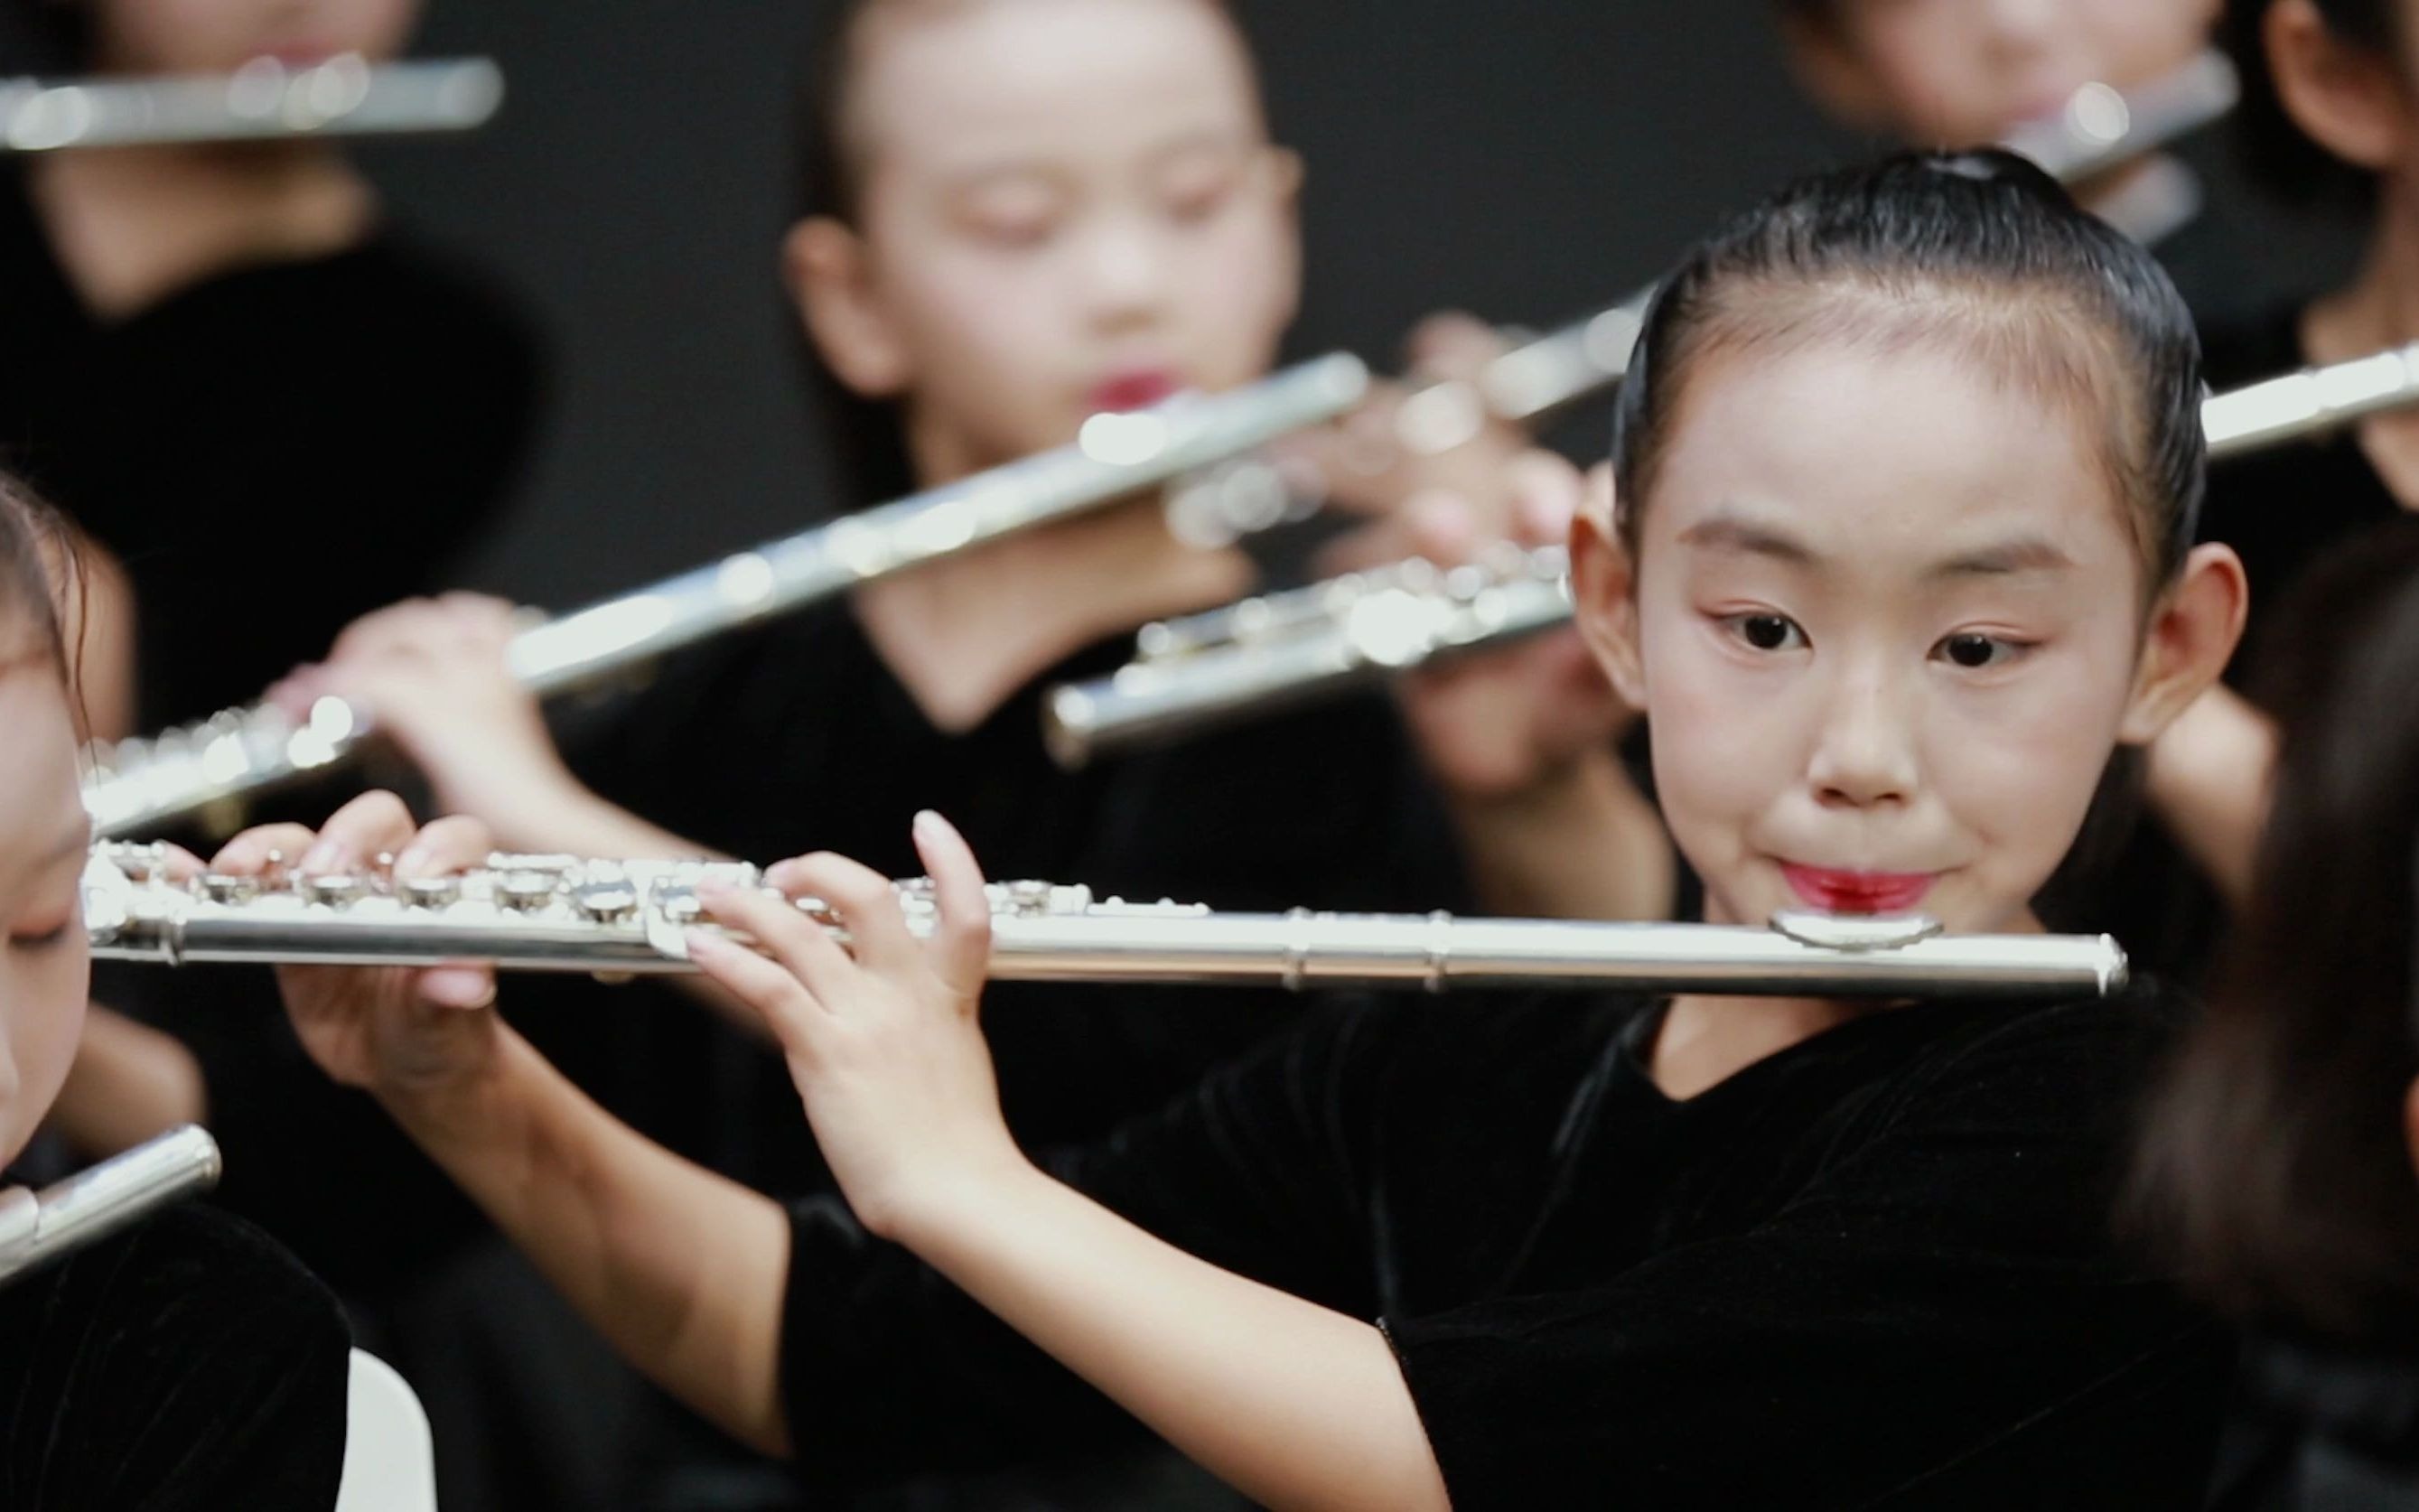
(830, 278)
(2348, 99)
(2191, 637)
(2410, 1122)
(1604, 590)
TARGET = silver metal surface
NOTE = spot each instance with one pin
(263, 100)
(1263, 654)
(1207, 668)
(37, 1227)
(141, 784)
(616, 917)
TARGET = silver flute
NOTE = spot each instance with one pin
(1276, 649)
(616, 919)
(37, 1227)
(2100, 128)
(263, 100)
(140, 784)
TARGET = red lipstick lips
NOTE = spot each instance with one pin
(1857, 892)
(1137, 389)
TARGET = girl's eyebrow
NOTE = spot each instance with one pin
(2002, 558)
(1737, 531)
(1730, 530)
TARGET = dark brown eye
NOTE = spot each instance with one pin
(1975, 652)
(1766, 632)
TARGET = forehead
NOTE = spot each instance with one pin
(1884, 457)
(958, 86)
(39, 798)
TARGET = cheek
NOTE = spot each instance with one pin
(1722, 734)
(1236, 288)
(40, 1025)
(2018, 764)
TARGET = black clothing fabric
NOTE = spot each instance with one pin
(186, 1365)
(2320, 1428)
(271, 452)
(798, 737)
(1868, 1270)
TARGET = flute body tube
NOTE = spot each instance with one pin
(142, 784)
(37, 1227)
(627, 917)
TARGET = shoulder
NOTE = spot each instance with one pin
(194, 1274)
(191, 1359)
(2072, 1065)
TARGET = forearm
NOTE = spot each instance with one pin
(560, 816)
(1294, 1405)
(1584, 843)
(2209, 782)
(681, 1270)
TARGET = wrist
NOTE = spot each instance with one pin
(468, 1106)
(953, 1204)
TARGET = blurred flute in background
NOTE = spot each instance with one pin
(1268, 652)
(263, 100)
(139, 784)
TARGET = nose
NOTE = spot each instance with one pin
(1864, 754)
(1124, 272)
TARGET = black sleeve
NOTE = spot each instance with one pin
(1937, 1319)
(888, 1368)
(186, 1366)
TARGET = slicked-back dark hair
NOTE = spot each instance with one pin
(2273, 1171)
(39, 570)
(2282, 159)
(1981, 250)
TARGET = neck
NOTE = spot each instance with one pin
(134, 224)
(965, 633)
(1706, 1040)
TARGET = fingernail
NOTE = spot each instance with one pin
(412, 860)
(703, 943)
(927, 825)
(321, 856)
(457, 987)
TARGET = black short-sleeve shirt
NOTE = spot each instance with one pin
(1870, 1270)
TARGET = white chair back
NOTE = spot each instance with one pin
(389, 1460)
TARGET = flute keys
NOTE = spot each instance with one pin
(334, 888)
(221, 887)
(525, 890)
(606, 903)
(430, 892)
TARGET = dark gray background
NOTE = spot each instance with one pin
(1523, 159)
